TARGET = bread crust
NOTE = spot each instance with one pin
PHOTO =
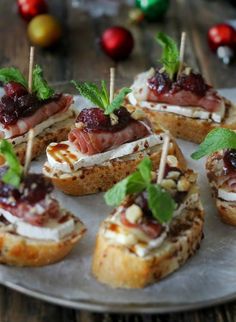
(17, 250)
(102, 177)
(114, 264)
(55, 133)
(186, 128)
(226, 209)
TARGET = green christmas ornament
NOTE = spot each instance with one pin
(153, 9)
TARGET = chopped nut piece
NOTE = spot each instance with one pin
(192, 177)
(168, 184)
(183, 184)
(134, 213)
(114, 119)
(79, 125)
(187, 70)
(173, 175)
(138, 115)
(172, 161)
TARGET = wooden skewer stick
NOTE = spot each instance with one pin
(31, 65)
(112, 83)
(28, 154)
(181, 51)
(164, 154)
(113, 117)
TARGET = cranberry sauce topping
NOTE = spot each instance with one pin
(94, 119)
(18, 103)
(33, 189)
(161, 83)
(229, 160)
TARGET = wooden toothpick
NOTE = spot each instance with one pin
(31, 65)
(181, 51)
(112, 83)
(113, 117)
(164, 154)
(28, 154)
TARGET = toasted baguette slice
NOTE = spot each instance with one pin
(226, 209)
(187, 128)
(102, 177)
(23, 251)
(118, 266)
(55, 133)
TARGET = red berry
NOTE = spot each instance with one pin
(13, 89)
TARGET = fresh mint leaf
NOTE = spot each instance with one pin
(12, 75)
(145, 168)
(117, 101)
(104, 94)
(132, 184)
(170, 54)
(160, 203)
(89, 91)
(217, 139)
(40, 85)
(14, 172)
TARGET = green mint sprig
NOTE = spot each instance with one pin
(217, 139)
(14, 173)
(100, 96)
(12, 75)
(170, 55)
(40, 86)
(160, 201)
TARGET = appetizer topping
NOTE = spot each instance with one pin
(95, 120)
(25, 197)
(143, 220)
(158, 201)
(21, 110)
(107, 126)
(217, 139)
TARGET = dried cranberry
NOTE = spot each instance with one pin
(94, 119)
(230, 160)
(161, 83)
(13, 89)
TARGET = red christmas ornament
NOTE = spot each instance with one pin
(222, 35)
(117, 42)
(31, 8)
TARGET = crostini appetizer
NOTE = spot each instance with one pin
(154, 229)
(42, 109)
(106, 145)
(179, 98)
(220, 146)
(34, 230)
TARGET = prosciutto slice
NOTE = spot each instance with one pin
(96, 142)
(23, 125)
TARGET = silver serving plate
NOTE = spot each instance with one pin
(208, 278)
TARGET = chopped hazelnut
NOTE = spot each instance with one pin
(168, 184)
(79, 125)
(173, 175)
(134, 213)
(183, 184)
(172, 161)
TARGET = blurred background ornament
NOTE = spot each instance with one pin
(44, 30)
(222, 40)
(31, 8)
(153, 9)
(117, 42)
(136, 15)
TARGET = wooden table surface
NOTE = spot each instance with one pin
(79, 57)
